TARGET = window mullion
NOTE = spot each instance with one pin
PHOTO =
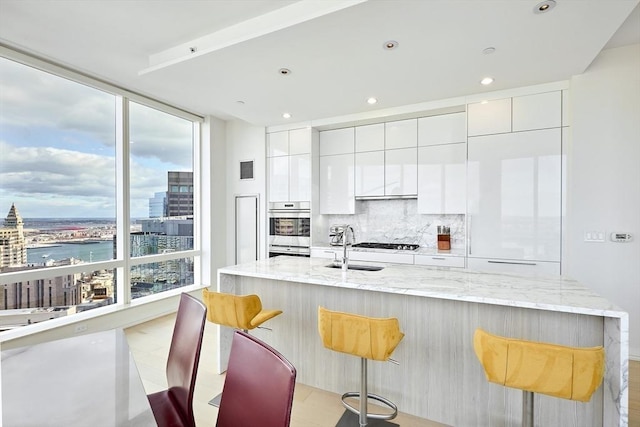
(123, 242)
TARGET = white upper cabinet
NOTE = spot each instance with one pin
(401, 172)
(300, 141)
(337, 185)
(514, 195)
(442, 179)
(539, 111)
(370, 174)
(278, 178)
(338, 141)
(278, 144)
(401, 134)
(300, 177)
(489, 117)
(289, 165)
(443, 129)
(369, 138)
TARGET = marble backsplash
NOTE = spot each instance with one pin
(396, 221)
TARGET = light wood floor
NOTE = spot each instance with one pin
(312, 407)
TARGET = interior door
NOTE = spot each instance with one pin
(246, 228)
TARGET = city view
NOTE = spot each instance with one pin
(60, 177)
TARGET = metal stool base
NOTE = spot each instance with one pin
(389, 404)
(349, 419)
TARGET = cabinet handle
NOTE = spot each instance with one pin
(512, 262)
(439, 258)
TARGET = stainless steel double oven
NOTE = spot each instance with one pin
(289, 228)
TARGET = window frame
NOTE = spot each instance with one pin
(122, 263)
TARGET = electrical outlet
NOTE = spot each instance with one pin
(80, 328)
(595, 236)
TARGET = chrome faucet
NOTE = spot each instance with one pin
(345, 255)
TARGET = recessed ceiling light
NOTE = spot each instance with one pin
(486, 81)
(372, 100)
(489, 50)
(390, 44)
(544, 6)
(286, 115)
(284, 71)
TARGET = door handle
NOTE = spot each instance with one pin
(512, 262)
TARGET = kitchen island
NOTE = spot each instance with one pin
(439, 377)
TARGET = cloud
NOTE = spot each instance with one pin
(31, 98)
(55, 176)
(57, 140)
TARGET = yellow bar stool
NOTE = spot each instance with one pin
(572, 373)
(235, 311)
(366, 337)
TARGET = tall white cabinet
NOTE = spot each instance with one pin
(337, 174)
(514, 184)
(442, 157)
(289, 165)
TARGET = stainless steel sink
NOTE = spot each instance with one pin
(358, 267)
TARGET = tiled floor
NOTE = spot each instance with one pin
(312, 407)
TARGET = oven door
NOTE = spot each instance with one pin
(289, 229)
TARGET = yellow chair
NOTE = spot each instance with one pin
(368, 338)
(535, 367)
(235, 311)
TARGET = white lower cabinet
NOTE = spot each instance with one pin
(527, 268)
(439, 260)
(337, 186)
(394, 258)
(326, 253)
(337, 252)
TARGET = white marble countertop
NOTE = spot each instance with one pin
(544, 293)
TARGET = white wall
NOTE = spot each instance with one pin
(245, 142)
(604, 180)
(214, 202)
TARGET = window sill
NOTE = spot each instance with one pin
(99, 319)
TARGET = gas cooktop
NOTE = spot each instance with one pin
(394, 246)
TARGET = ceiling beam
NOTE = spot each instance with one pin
(288, 16)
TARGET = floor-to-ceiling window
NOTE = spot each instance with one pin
(87, 201)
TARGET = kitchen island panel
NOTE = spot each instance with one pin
(439, 377)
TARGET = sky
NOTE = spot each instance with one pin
(57, 147)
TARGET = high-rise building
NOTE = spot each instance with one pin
(13, 251)
(158, 205)
(180, 193)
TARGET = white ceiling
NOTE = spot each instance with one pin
(336, 57)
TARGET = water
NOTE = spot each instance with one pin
(95, 251)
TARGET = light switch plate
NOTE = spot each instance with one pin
(595, 236)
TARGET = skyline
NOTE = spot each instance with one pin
(57, 146)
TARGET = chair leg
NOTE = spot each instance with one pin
(527, 408)
(216, 400)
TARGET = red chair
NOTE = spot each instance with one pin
(174, 406)
(258, 388)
